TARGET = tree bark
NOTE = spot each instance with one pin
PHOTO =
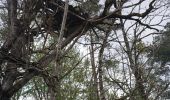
(3, 95)
(100, 67)
(16, 42)
(10, 73)
(94, 73)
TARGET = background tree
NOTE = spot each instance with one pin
(159, 53)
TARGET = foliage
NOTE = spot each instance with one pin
(161, 48)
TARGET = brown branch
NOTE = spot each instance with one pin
(18, 85)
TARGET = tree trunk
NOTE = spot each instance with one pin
(94, 73)
(3, 96)
(53, 88)
(139, 85)
(100, 67)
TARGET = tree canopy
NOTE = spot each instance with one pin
(82, 49)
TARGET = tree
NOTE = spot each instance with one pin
(38, 28)
(159, 54)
